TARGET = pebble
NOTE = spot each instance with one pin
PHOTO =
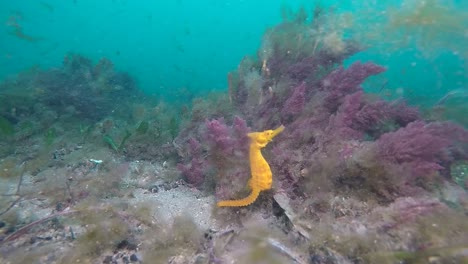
(133, 258)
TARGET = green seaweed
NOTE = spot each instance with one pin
(26, 126)
(50, 136)
(452, 253)
(182, 236)
(6, 128)
(173, 127)
(127, 136)
(142, 128)
(85, 131)
(108, 139)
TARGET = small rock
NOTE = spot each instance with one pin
(153, 189)
(122, 244)
(133, 258)
(107, 260)
(33, 240)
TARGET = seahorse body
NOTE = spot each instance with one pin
(260, 170)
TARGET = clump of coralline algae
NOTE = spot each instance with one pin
(338, 141)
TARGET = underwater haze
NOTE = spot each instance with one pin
(164, 44)
(191, 45)
(243, 131)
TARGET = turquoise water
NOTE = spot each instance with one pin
(169, 46)
(165, 45)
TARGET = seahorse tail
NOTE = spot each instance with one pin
(241, 202)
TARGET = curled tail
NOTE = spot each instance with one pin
(241, 202)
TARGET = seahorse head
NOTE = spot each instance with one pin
(261, 139)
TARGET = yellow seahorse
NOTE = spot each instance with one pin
(260, 170)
